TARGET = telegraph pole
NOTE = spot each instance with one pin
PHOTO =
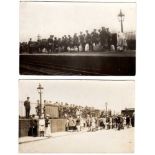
(121, 19)
(40, 88)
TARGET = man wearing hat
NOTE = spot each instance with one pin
(82, 41)
(88, 41)
(50, 44)
(27, 107)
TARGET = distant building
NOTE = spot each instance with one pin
(51, 110)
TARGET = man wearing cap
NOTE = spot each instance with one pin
(88, 40)
(76, 42)
(95, 38)
(30, 46)
(27, 107)
(50, 43)
(82, 41)
(102, 35)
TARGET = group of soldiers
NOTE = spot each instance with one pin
(89, 41)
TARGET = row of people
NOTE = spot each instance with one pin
(39, 127)
(43, 127)
(93, 123)
(90, 41)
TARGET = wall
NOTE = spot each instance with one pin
(24, 125)
(57, 125)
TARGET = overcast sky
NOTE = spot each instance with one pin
(47, 18)
(118, 94)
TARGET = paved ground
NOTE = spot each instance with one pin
(103, 141)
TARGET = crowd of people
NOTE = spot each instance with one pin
(89, 124)
(40, 126)
(97, 40)
(78, 118)
(98, 123)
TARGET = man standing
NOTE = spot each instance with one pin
(76, 42)
(133, 120)
(127, 121)
(95, 39)
(27, 107)
(50, 45)
(103, 37)
(82, 41)
(30, 46)
(33, 126)
(88, 40)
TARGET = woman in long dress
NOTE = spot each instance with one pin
(47, 127)
(41, 127)
(93, 125)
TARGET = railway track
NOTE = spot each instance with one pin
(53, 69)
(76, 65)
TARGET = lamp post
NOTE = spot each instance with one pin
(40, 88)
(121, 19)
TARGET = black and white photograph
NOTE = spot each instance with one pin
(77, 38)
(76, 116)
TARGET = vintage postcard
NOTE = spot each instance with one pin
(76, 116)
(77, 38)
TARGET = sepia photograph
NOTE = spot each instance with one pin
(76, 116)
(77, 38)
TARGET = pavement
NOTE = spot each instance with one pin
(102, 141)
(28, 139)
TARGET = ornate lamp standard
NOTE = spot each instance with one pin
(40, 88)
(121, 19)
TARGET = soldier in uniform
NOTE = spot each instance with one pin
(76, 41)
(27, 107)
(82, 41)
(55, 44)
(65, 43)
(30, 46)
(103, 37)
(68, 43)
(108, 38)
(95, 38)
(59, 45)
(88, 40)
(71, 43)
(50, 45)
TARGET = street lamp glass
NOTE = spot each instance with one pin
(121, 16)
